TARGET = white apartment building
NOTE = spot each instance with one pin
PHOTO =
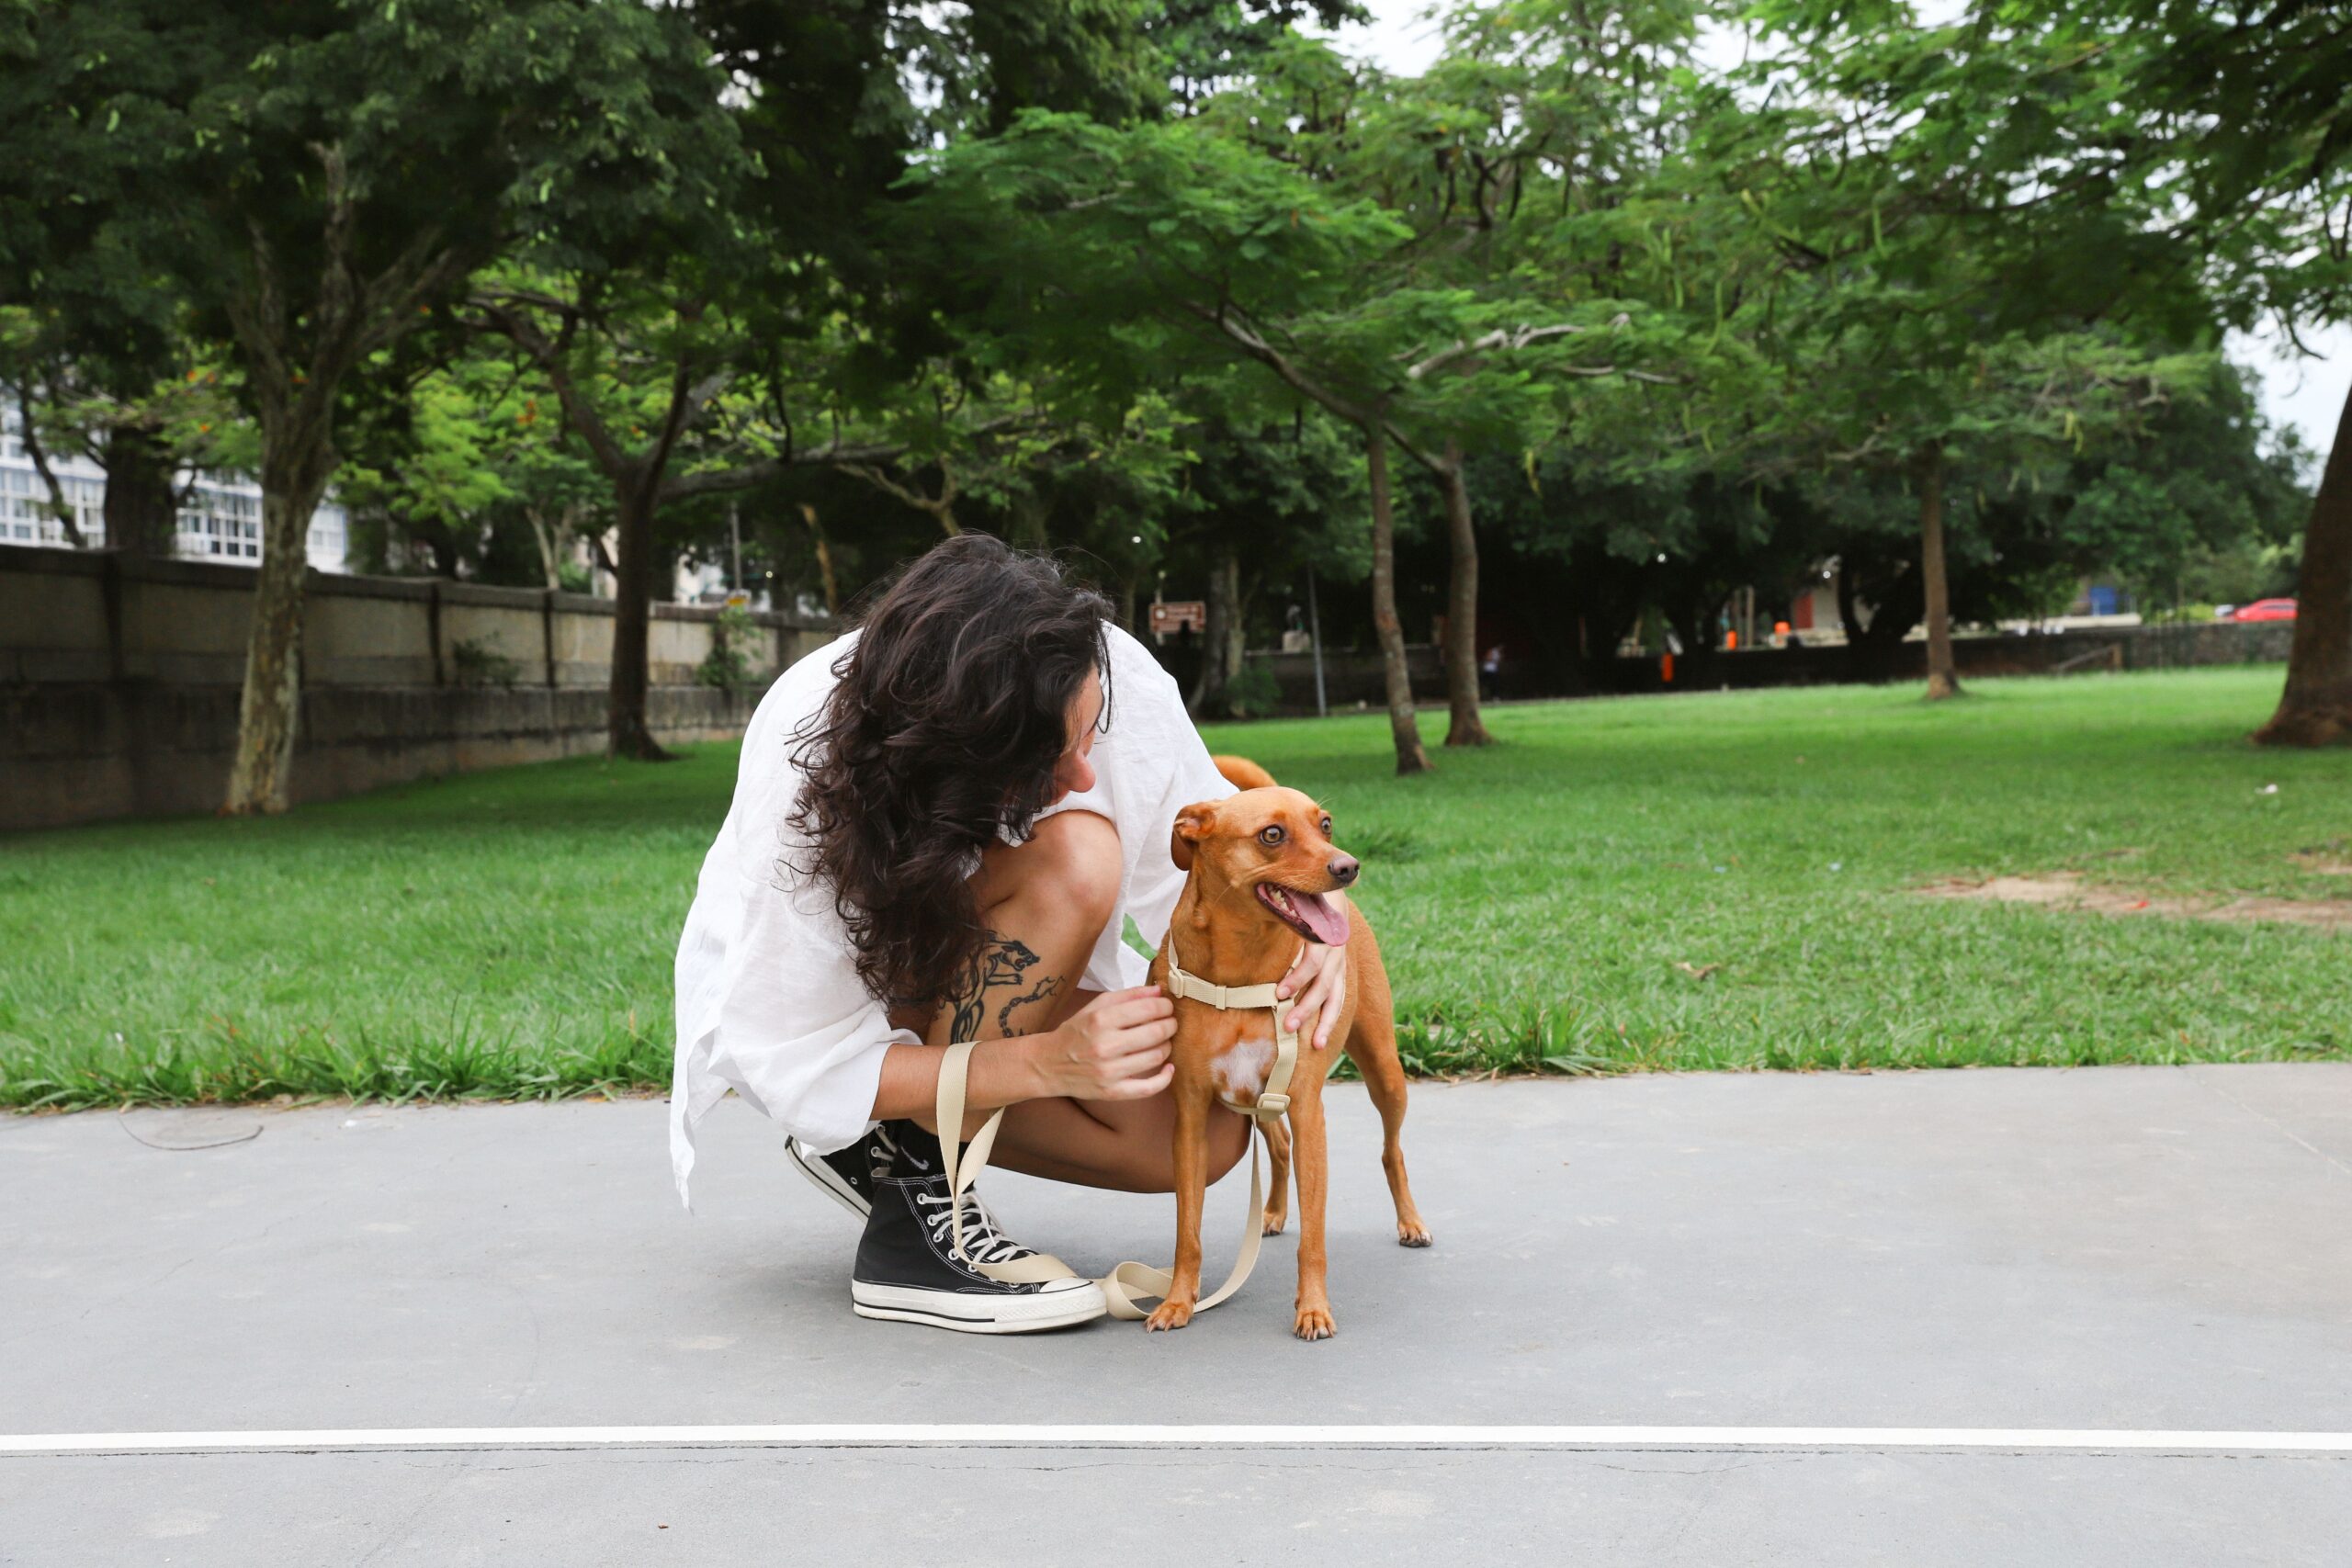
(219, 515)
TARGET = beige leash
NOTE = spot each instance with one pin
(1130, 1284)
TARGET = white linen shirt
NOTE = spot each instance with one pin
(769, 1000)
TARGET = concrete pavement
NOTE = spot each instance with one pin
(2140, 1249)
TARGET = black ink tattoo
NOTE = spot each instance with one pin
(1042, 991)
(998, 967)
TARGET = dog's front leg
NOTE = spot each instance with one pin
(1309, 1157)
(1191, 1152)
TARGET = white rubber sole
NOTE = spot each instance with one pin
(825, 1181)
(979, 1315)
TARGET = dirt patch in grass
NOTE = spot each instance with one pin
(2067, 890)
(2333, 858)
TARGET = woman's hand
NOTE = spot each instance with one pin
(1116, 1047)
(1321, 974)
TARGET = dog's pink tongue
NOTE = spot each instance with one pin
(1323, 916)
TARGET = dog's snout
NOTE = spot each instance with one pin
(1343, 869)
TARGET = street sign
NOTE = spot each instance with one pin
(1176, 614)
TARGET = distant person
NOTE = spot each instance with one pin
(941, 821)
(1490, 669)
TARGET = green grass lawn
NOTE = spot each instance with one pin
(510, 933)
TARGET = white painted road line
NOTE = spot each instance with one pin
(917, 1435)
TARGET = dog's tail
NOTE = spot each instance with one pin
(1243, 774)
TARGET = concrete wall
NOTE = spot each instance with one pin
(1349, 680)
(120, 678)
(1355, 679)
(1977, 657)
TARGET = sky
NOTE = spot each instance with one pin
(2304, 392)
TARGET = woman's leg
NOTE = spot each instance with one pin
(1045, 903)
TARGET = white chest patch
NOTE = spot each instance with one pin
(1239, 1071)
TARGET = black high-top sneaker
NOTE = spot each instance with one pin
(847, 1175)
(906, 1269)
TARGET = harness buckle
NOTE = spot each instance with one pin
(1271, 1105)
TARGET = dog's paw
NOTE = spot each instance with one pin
(1275, 1221)
(1413, 1235)
(1166, 1315)
(1315, 1322)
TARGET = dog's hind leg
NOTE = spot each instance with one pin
(1371, 1046)
(1278, 1179)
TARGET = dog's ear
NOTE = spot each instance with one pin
(1194, 823)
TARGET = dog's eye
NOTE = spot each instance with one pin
(1271, 834)
(1327, 827)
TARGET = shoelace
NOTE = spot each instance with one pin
(884, 1153)
(983, 1242)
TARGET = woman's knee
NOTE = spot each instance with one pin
(1071, 862)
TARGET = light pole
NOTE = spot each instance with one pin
(1315, 643)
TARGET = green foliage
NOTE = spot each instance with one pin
(1070, 271)
(1252, 692)
(478, 662)
(728, 665)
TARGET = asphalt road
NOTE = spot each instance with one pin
(2060, 1286)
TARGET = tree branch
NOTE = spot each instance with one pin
(1258, 348)
(525, 334)
(58, 505)
(1505, 337)
(840, 454)
(940, 509)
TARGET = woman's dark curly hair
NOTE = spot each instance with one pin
(943, 733)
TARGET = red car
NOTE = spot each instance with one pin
(2265, 610)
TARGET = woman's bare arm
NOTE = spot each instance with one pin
(1116, 1047)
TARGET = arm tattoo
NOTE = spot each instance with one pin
(1042, 991)
(997, 968)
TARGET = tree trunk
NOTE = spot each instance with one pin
(1410, 757)
(295, 464)
(1943, 679)
(1850, 607)
(443, 545)
(546, 535)
(626, 731)
(2316, 707)
(59, 507)
(140, 511)
(824, 560)
(1221, 637)
(1466, 727)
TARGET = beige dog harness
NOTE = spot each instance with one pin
(1130, 1284)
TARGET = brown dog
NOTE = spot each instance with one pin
(1263, 876)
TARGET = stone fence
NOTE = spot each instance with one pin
(120, 679)
(1354, 680)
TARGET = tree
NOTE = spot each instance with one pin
(462, 457)
(635, 359)
(2247, 97)
(1261, 499)
(647, 306)
(1129, 255)
(315, 177)
(92, 327)
(1538, 112)
(1837, 190)
(2156, 155)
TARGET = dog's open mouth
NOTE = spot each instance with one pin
(1311, 915)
